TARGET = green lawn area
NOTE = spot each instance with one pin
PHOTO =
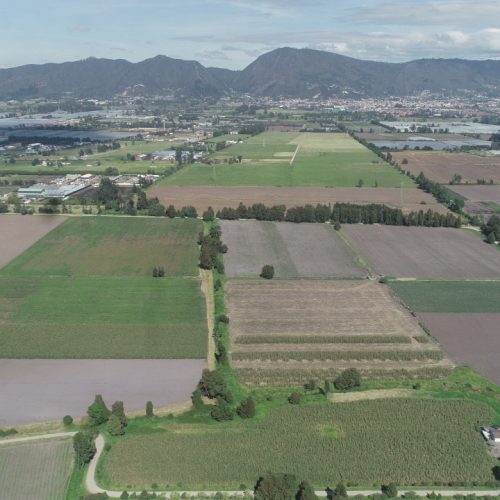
(101, 317)
(365, 443)
(35, 470)
(449, 296)
(113, 246)
(322, 160)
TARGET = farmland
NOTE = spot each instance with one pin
(304, 250)
(316, 328)
(202, 197)
(411, 441)
(321, 160)
(450, 296)
(69, 386)
(470, 339)
(113, 246)
(35, 470)
(441, 167)
(99, 317)
(19, 233)
(480, 199)
(421, 252)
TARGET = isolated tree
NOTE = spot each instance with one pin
(294, 398)
(275, 487)
(67, 420)
(306, 492)
(115, 426)
(155, 272)
(267, 272)
(171, 212)
(107, 191)
(348, 379)
(118, 410)
(390, 490)
(98, 411)
(84, 447)
(246, 409)
(161, 272)
(149, 410)
(491, 238)
(327, 387)
(360, 183)
(336, 225)
(124, 495)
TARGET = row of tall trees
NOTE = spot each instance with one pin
(347, 213)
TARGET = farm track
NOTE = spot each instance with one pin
(207, 288)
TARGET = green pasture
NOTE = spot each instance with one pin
(112, 246)
(365, 443)
(102, 317)
(449, 296)
(322, 160)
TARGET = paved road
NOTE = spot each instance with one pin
(93, 488)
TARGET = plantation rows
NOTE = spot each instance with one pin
(321, 339)
(289, 377)
(338, 355)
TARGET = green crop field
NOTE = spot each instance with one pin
(35, 470)
(113, 246)
(366, 443)
(449, 296)
(334, 160)
(101, 317)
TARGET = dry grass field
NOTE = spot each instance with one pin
(285, 332)
(470, 339)
(295, 250)
(39, 470)
(441, 166)
(421, 252)
(218, 197)
(19, 232)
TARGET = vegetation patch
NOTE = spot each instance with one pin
(439, 436)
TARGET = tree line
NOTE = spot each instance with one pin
(345, 213)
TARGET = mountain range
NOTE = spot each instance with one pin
(282, 72)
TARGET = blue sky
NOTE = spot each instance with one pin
(232, 33)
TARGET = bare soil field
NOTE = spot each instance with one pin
(422, 252)
(296, 311)
(469, 339)
(478, 193)
(19, 232)
(441, 167)
(295, 250)
(43, 390)
(202, 197)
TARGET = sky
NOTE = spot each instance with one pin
(233, 33)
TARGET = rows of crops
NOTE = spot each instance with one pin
(338, 355)
(322, 339)
(409, 441)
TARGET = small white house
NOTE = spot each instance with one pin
(491, 434)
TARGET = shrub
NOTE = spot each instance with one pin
(275, 486)
(294, 398)
(223, 318)
(340, 491)
(267, 272)
(84, 447)
(222, 411)
(114, 426)
(390, 490)
(67, 420)
(348, 379)
(118, 410)
(246, 408)
(208, 215)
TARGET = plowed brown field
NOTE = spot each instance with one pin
(203, 197)
(441, 166)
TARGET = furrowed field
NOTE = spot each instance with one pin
(113, 246)
(101, 317)
(35, 470)
(366, 443)
(287, 332)
(321, 160)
